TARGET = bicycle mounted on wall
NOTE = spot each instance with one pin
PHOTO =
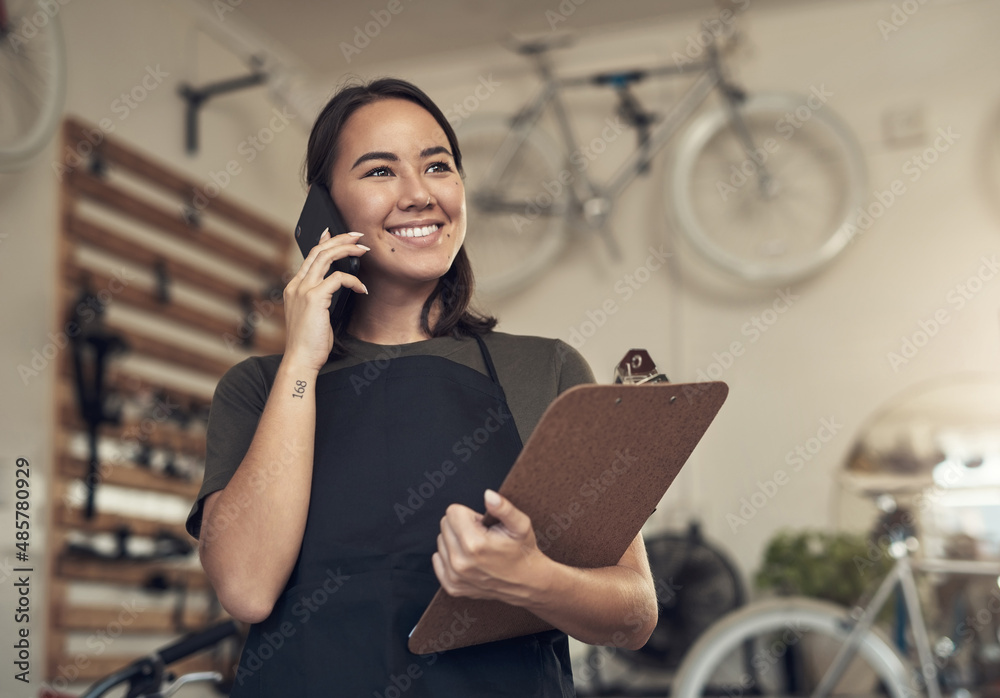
(763, 186)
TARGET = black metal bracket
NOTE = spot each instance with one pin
(197, 96)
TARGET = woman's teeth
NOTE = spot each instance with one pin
(423, 231)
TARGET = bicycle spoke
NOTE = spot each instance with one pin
(777, 219)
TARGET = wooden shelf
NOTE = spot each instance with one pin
(91, 668)
(128, 476)
(103, 237)
(89, 186)
(103, 522)
(130, 573)
(182, 326)
(148, 621)
(132, 161)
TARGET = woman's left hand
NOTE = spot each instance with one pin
(501, 562)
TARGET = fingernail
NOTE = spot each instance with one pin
(492, 498)
(365, 289)
(325, 235)
(366, 249)
(356, 235)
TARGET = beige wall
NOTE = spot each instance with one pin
(824, 359)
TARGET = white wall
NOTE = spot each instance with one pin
(825, 358)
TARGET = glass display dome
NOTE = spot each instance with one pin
(935, 449)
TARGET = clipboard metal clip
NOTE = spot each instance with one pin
(637, 367)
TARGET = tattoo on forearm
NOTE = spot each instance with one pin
(300, 388)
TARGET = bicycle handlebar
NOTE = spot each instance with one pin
(150, 667)
(193, 642)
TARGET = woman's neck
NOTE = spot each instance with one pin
(390, 320)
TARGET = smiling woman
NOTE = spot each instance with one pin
(313, 453)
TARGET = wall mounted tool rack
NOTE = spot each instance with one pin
(177, 282)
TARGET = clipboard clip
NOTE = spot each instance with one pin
(637, 367)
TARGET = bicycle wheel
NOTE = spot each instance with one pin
(517, 223)
(32, 79)
(781, 213)
(793, 641)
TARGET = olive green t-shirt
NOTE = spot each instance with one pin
(533, 371)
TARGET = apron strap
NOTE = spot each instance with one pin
(488, 359)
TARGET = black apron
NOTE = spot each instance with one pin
(397, 441)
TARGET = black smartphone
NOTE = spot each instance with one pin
(318, 214)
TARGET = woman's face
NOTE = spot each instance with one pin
(395, 180)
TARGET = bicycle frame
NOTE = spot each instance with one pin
(590, 198)
(901, 575)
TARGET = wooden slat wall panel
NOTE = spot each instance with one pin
(130, 160)
(125, 476)
(102, 236)
(196, 342)
(115, 198)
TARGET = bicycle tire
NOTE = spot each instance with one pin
(32, 81)
(769, 232)
(709, 661)
(516, 230)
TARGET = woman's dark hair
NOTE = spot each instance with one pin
(455, 288)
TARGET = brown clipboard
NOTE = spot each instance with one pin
(590, 475)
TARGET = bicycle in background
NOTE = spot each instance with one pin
(803, 646)
(763, 185)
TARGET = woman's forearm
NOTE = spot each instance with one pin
(613, 606)
(252, 529)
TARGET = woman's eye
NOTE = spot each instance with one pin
(381, 171)
(439, 167)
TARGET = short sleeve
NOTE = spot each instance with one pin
(237, 405)
(572, 369)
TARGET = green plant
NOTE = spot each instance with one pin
(838, 567)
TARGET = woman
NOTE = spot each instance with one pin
(344, 478)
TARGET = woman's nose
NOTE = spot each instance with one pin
(416, 196)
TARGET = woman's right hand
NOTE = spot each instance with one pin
(307, 298)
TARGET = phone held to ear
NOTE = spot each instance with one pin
(318, 214)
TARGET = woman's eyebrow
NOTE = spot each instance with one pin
(392, 157)
(436, 150)
(375, 155)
